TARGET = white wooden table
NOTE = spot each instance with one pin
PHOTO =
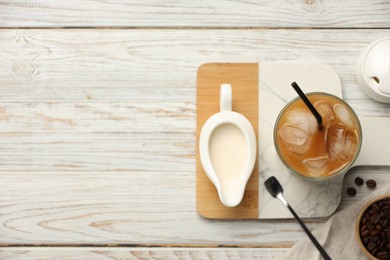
(97, 119)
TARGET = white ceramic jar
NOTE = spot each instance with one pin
(373, 70)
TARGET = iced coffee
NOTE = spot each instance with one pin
(305, 149)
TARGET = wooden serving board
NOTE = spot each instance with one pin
(244, 80)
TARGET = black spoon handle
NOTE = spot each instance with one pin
(312, 238)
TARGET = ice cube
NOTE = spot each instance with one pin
(341, 143)
(302, 119)
(343, 115)
(325, 110)
(317, 165)
(294, 139)
(350, 146)
(335, 142)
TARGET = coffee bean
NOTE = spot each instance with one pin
(387, 214)
(372, 217)
(359, 181)
(365, 233)
(371, 183)
(363, 227)
(370, 225)
(371, 246)
(385, 223)
(374, 233)
(383, 255)
(375, 218)
(374, 251)
(375, 207)
(374, 238)
(382, 245)
(351, 191)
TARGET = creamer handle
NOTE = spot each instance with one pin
(225, 101)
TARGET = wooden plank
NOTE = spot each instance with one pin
(134, 207)
(156, 65)
(244, 79)
(98, 253)
(97, 152)
(97, 136)
(202, 13)
(166, 117)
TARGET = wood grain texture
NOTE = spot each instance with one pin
(136, 117)
(97, 131)
(97, 126)
(97, 136)
(202, 13)
(244, 80)
(97, 152)
(134, 207)
(141, 253)
(160, 65)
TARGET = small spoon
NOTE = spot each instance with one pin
(276, 190)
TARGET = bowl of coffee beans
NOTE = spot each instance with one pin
(373, 228)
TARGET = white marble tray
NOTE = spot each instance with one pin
(310, 199)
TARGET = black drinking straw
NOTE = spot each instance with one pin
(308, 104)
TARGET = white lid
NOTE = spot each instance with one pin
(373, 70)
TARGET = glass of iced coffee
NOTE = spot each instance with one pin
(311, 152)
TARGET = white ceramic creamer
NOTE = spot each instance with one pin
(227, 148)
